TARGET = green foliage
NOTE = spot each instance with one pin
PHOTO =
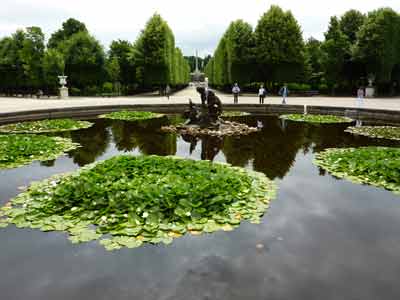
(279, 46)
(192, 62)
(336, 52)
(113, 69)
(31, 55)
(276, 47)
(320, 119)
(129, 200)
(121, 51)
(45, 126)
(220, 76)
(21, 59)
(314, 60)
(381, 132)
(26, 66)
(378, 44)
(108, 87)
(298, 87)
(240, 52)
(17, 150)
(69, 28)
(53, 66)
(378, 166)
(125, 115)
(84, 60)
(350, 24)
(158, 62)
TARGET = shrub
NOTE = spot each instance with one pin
(107, 87)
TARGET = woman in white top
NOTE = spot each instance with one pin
(235, 91)
(261, 93)
(360, 96)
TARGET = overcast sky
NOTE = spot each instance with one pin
(196, 24)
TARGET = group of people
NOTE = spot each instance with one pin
(262, 93)
(284, 92)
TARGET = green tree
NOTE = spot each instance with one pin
(279, 47)
(53, 66)
(240, 52)
(69, 28)
(336, 52)
(157, 61)
(84, 60)
(31, 56)
(314, 58)
(350, 24)
(209, 71)
(113, 69)
(122, 51)
(220, 77)
(152, 52)
(10, 68)
(378, 43)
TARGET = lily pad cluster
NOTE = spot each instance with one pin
(381, 132)
(130, 200)
(228, 114)
(125, 115)
(378, 166)
(319, 119)
(45, 126)
(19, 149)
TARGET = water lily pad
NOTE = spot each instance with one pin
(125, 115)
(17, 150)
(130, 200)
(45, 126)
(318, 119)
(378, 166)
(381, 132)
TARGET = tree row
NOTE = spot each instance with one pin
(27, 64)
(356, 48)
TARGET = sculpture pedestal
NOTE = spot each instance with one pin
(369, 92)
(63, 93)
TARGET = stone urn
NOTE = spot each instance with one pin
(370, 90)
(63, 89)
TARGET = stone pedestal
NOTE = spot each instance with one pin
(369, 92)
(63, 93)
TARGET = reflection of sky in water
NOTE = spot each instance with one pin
(323, 238)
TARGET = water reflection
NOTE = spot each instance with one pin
(271, 150)
(324, 238)
(144, 136)
(94, 142)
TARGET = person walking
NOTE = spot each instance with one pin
(236, 91)
(284, 92)
(262, 92)
(360, 96)
(167, 91)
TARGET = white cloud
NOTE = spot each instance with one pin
(196, 24)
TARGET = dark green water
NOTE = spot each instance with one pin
(323, 238)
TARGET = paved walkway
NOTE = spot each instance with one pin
(26, 104)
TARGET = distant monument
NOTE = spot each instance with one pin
(63, 89)
(197, 76)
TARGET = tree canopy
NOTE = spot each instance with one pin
(26, 65)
